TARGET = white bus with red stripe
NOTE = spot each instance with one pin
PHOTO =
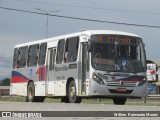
(92, 63)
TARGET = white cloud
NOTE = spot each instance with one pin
(5, 73)
(5, 66)
(8, 41)
(5, 61)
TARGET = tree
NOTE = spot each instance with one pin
(5, 82)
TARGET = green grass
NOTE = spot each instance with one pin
(133, 102)
(143, 104)
(52, 100)
(12, 99)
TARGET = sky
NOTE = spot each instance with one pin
(18, 27)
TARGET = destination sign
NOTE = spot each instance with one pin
(113, 39)
(121, 40)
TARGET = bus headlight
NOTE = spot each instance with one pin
(96, 78)
(144, 79)
(142, 82)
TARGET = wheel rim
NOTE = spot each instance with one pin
(72, 92)
(30, 93)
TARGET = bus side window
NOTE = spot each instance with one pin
(22, 58)
(15, 63)
(42, 54)
(33, 55)
(60, 51)
(71, 50)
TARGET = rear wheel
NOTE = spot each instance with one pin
(31, 94)
(119, 101)
(72, 94)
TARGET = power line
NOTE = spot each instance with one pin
(83, 19)
(88, 7)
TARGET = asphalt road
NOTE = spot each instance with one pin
(90, 111)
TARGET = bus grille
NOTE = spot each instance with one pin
(123, 83)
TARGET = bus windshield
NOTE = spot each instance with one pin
(117, 53)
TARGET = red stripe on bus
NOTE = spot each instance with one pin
(17, 79)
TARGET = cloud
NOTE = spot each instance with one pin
(10, 40)
(5, 61)
(5, 65)
(5, 76)
(5, 72)
(4, 58)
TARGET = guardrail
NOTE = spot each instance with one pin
(4, 90)
(153, 96)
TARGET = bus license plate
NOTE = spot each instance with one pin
(121, 89)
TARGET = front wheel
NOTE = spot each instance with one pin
(119, 100)
(72, 94)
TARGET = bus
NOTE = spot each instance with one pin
(86, 64)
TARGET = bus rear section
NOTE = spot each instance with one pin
(29, 71)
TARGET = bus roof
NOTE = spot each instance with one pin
(84, 32)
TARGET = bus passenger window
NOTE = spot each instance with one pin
(60, 51)
(33, 55)
(15, 58)
(42, 54)
(22, 58)
(71, 49)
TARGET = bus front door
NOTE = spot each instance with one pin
(50, 71)
(84, 67)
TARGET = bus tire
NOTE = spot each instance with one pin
(119, 100)
(72, 94)
(30, 93)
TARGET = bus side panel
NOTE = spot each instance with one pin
(39, 88)
(19, 82)
(60, 88)
(64, 72)
(22, 76)
(18, 89)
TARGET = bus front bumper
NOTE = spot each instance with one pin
(117, 91)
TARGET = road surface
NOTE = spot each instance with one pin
(99, 111)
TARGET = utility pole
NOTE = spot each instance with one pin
(47, 13)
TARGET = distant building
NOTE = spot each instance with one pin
(4, 90)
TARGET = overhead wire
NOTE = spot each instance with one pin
(83, 19)
(88, 7)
